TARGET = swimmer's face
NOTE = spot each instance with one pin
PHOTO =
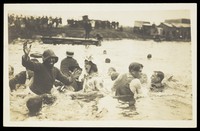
(155, 78)
(50, 62)
(87, 66)
(136, 74)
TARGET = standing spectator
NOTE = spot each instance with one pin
(88, 29)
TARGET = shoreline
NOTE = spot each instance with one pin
(108, 34)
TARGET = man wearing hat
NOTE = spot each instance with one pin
(68, 64)
(45, 73)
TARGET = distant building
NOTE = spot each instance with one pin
(186, 21)
(138, 25)
(170, 29)
(176, 29)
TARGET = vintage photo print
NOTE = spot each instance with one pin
(100, 65)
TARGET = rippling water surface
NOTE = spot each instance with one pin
(170, 57)
(173, 58)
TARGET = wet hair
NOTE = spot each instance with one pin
(160, 74)
(107, 60)
(149, 56)
(135, 66)
(34, 105)
(93, 66)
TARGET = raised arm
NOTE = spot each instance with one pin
(26, 62)
(26, 49)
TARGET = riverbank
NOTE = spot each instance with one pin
(66, 31)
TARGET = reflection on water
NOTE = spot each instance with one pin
(170, 57)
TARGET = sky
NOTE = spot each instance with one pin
(125, 14)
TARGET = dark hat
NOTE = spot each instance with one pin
(49, 54)
(70, 53)
(34, 105)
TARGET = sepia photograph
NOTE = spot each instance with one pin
(100, 65)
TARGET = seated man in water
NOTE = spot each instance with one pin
(67, 67)
(67, 63)
(126, 85)
(21, 78)
(156, 81)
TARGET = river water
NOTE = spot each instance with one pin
(170, 57)
(173, 58)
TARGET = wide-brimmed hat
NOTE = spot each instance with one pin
(70, 53)
(49, 54)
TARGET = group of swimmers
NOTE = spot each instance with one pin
(44, 76)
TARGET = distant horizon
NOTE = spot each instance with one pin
(125, 14)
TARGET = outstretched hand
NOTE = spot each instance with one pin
(76, 73)
(26, 49)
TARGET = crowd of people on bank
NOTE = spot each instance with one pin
(32, 22)
(40, 78)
